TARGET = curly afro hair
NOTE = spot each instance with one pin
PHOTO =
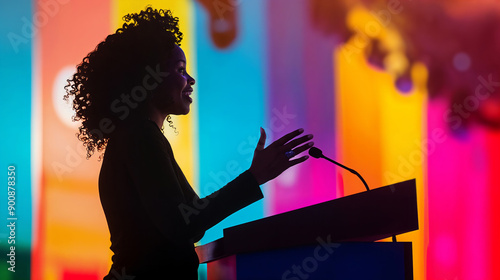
(115, 70)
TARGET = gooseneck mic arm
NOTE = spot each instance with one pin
(317, 153)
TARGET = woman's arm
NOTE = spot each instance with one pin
(161, 195)
(160, 191)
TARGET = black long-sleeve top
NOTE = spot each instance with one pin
(153, 215)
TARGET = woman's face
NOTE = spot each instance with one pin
(174, 94)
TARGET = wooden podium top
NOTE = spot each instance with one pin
(367, 216)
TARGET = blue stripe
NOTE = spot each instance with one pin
(15, 114)
(231, 86)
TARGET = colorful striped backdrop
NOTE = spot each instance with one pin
(278, 71)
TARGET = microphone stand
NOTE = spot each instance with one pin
(349, 169)
(355, 173)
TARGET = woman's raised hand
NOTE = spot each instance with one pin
(270, 162)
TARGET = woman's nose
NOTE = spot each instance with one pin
(191, 80)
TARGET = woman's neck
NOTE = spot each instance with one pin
(157, 117)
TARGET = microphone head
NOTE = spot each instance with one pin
(315, 152)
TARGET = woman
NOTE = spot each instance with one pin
(123, 91)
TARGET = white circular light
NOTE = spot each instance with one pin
(63, 109)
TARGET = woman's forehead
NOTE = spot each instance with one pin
(178, 54)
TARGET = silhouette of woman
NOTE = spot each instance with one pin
(122, 93)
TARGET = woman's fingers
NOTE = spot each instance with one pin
(294, 143)
(262, 140)
(303, 148)
(297, 161)
(268, 162)
(287, 137)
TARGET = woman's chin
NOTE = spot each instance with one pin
(184, 112)
(178, 112)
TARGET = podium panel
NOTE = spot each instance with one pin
(290, 245)
(339, 261)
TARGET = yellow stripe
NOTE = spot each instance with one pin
(403, 130)
(378, 131)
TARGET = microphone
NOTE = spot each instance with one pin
(317, 153)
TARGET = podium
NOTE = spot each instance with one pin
(329, 240)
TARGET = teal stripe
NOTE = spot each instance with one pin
(231, 88)
(15, 126)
